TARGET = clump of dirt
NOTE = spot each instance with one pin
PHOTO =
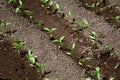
(105, 9)
(14, 66)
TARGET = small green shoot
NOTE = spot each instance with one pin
(108, 46)
(59, 40)
(69, 14)
(39, 23)
(50, 3)
(29, 13)
(85, 59)
(112, 78)
(4, 24)
(117, 18)
(18, 44)
(39, 66)
(30, 57)
(72, 49)
(49, 30)
(18, 9)
(46, 78)
(93, 37)
(11, 1)
(57, 6)
(117, 65)
(84, 24)
(44, 1)
(91, 5)
(97, 72)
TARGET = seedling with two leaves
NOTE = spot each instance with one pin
(84, 24)
(72, 49)
(29, 13)
(19, 7)
(33, 62)
(18, 44)
(50, 30)
(97, 72)
(59, 41)
(4, 24)
(93, 37)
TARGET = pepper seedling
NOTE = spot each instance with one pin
(29, 13)
(19, 7)
(72, 49)
(49, 30)
(30, 57)
(18, 44)
(97, 72)
(59, 40)
(4, 24)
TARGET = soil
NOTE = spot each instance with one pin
(55, 58)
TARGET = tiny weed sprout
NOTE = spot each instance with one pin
(30, 57)
(50, 30)
(18, 44)
(29, 13)
(18, 9)
(97, 72)
(4, 24)
(72, 49)
(59, 40)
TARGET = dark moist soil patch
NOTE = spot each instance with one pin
(14, 66)
(109, 13)
(104, 59)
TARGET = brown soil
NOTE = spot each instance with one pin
(101, 57)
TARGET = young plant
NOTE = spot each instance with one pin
(30, 57)
(91, 5)
(11, 1)
(50, 3)
(59, 40)
(69, 14)
(117, 18)
(84, 24)
(39, 66)
(39, 23)
(93, 37)
(97, 72)
(44, 1)
(112, 78)
(49, 30)
(57, 6)
(29, 13)
(108, 46)
(19, 7)
(85, 59)
(4, 24)
(72, 49)
(18, 44)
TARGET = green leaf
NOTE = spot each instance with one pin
(20, 2)
(73, 46)
(31, 59)
(57, 6)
